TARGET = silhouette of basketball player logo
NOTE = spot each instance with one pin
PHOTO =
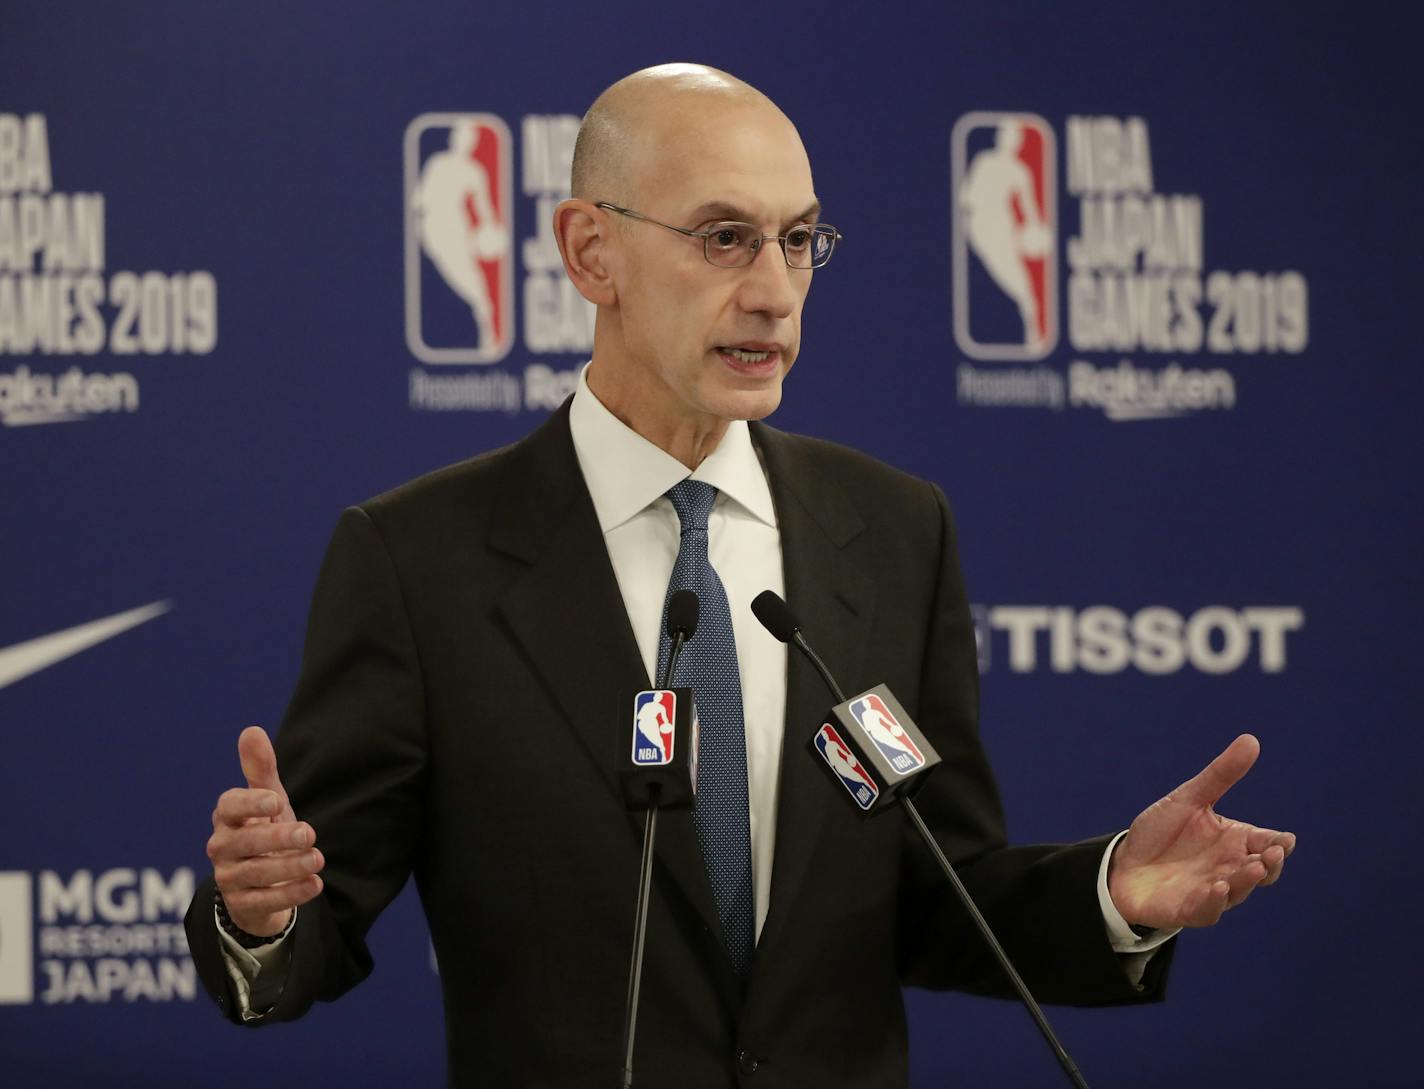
(1004, 217)
(458, 217)
(654, 715)
(849, 770)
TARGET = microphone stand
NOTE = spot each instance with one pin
(645, 882)
(775, 616)
(1060, 1053)
(640, 932)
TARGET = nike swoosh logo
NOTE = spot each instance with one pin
(22, 659)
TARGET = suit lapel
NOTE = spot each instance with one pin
(833, 600)
(568, 616)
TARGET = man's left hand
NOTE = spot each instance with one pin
(1183, 864)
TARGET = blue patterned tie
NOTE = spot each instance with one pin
(709, 664)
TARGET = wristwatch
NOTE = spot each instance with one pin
(242, 937)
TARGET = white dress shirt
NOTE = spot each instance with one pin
(627, 477)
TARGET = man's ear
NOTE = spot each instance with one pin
(582, 231)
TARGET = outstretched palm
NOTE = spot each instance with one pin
(1183, 864)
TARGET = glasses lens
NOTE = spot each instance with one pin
(797, 243)
(809, 246)
(732, 244)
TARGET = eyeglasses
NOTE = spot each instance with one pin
(733, 245)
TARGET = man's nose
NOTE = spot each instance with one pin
(766, 284)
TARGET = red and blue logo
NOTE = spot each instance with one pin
(459, 238)
(839, 758)
(654, 728)
(1005, 236)
(880, 725)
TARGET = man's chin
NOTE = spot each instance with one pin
(749, 397)
(751, 404)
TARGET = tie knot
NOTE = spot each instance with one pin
(692, 499)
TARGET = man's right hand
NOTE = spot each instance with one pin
(263, 859)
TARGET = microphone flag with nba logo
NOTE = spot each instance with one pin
(658, 752)
(873, 749)
(868, 743)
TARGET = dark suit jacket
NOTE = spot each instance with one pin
(466, 666)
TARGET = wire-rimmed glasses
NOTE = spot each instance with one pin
(734, 245)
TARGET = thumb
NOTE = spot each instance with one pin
(259, 761)
(1214, 780)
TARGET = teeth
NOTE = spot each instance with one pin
(745, 356)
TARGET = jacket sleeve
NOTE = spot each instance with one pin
(1040, 901)
(352, 755)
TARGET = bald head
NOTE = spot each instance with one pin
(645, 111)
(682, 346)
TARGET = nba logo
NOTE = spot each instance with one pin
(16, 939)
(838, 757)
(1005, 215)
(654, 728)
(459, 253)
(880, 725)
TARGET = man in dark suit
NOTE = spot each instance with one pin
(474, 633)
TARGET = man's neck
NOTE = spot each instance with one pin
(688, 438)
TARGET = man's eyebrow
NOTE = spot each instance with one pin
(721, 209)
(810, 215)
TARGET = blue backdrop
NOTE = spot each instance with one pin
(1138, 286)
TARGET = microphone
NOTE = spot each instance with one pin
(876, 763)
(869, 744)
(660, 769)
(683, 610)
(657, 764)
(775, 616)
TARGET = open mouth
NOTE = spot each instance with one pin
(747, 355)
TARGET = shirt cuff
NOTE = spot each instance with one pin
(244, 966)
(1135, 950)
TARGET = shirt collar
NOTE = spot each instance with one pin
(626, 473)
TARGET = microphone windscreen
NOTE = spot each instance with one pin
(774, 615)
(682, 614)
